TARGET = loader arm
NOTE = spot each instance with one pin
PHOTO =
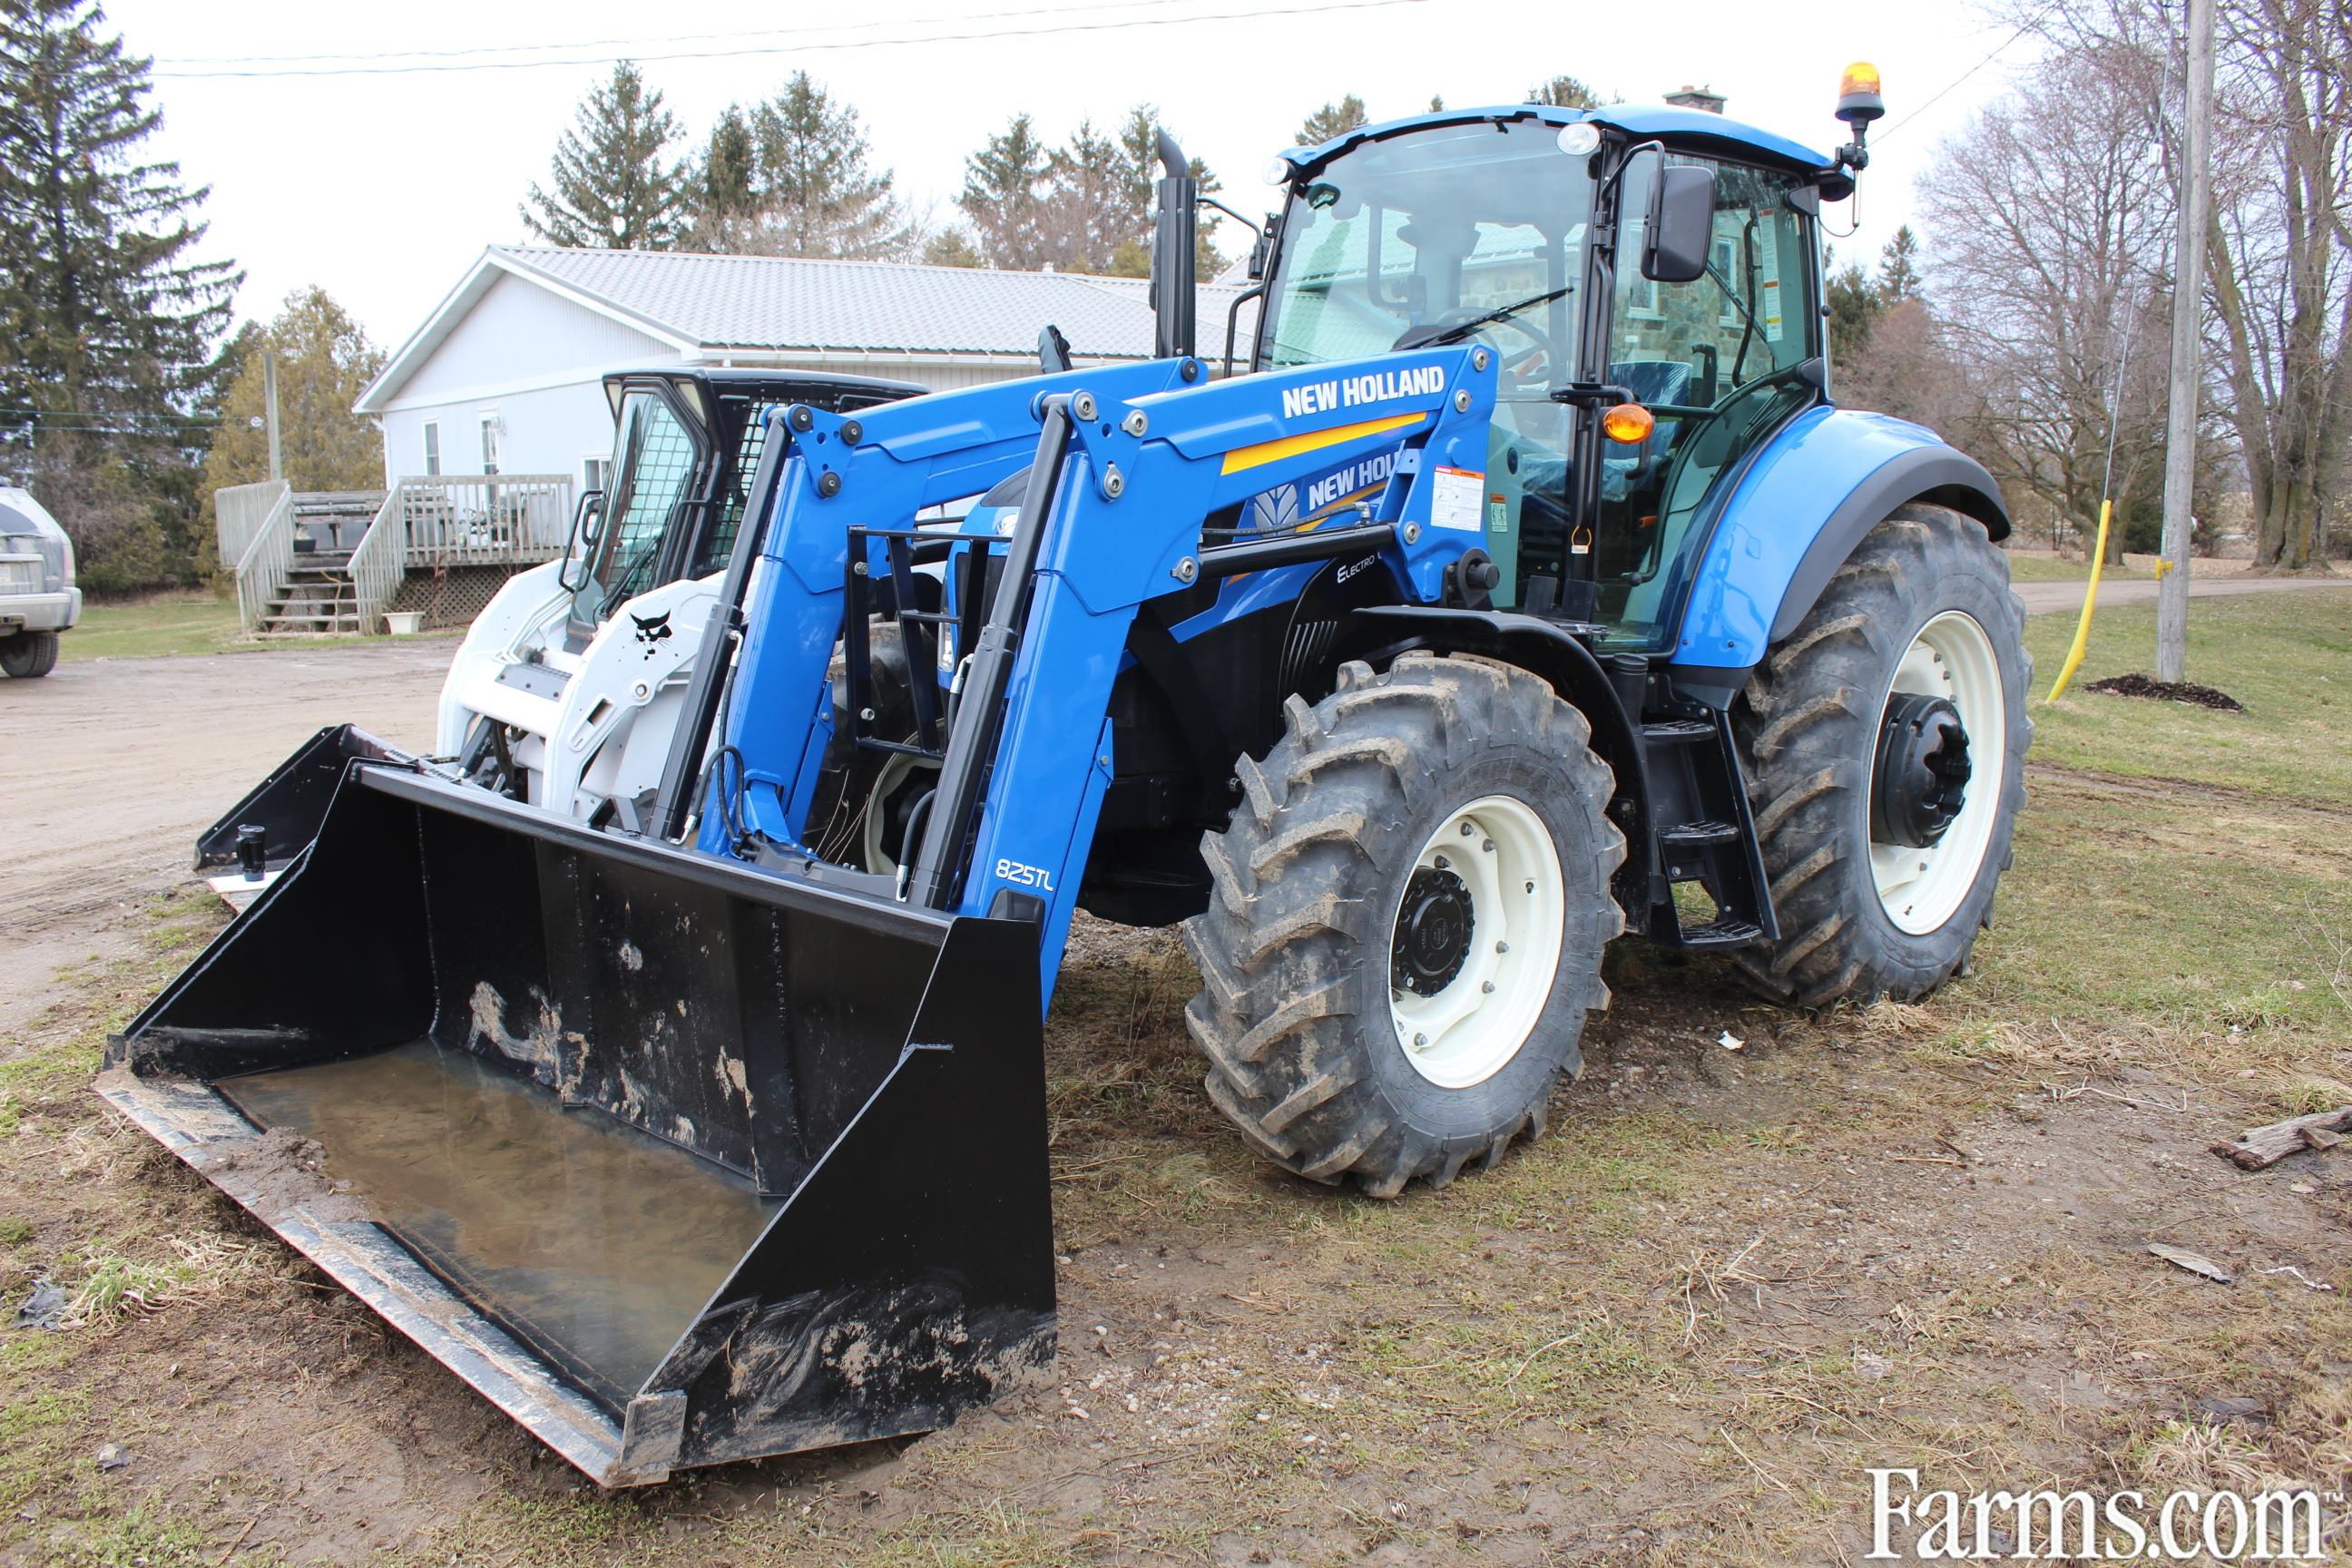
(1137, 459)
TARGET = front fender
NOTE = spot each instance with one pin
(1828, 478)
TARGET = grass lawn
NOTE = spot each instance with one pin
(1674, 1332)
(2053, 569)
(162, 624)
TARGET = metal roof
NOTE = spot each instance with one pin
(708, 307)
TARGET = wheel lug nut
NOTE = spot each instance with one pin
(1421, 1042)
(1488, 987)
(1501, 947)
(1532, 886)
(1488, 846)
(1441, 862)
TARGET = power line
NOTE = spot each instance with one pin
(2000, 49)
(485, 50)
(737, 51)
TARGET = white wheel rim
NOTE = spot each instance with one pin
(1921, 887)
(1468, 1031)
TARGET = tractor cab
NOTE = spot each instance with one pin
(1647, 280)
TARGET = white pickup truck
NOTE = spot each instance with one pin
(37, 596)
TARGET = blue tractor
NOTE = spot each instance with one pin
(1517, 585)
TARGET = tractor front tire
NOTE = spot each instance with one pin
(1405, 932)
(28, 654)
(1920, 618)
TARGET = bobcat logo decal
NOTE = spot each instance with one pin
(651, 631)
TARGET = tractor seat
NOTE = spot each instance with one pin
(1653, 380)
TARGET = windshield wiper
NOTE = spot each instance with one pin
(1454, 333)
(1731, 294)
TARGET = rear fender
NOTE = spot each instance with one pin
(1828, 478)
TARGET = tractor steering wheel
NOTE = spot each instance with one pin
(1542, 347)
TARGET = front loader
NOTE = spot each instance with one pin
(1527, 590)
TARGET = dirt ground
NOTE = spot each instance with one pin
(110, 769)
(2051, 598)
(1675, 1329)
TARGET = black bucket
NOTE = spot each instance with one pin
(677, 1162)
(278, 816)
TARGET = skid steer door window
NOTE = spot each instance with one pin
(1720, 361)
(657, 453)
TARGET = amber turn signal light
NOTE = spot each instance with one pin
(1628, 422)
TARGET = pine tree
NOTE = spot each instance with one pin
(1565, 92)
(1899, 269)
(1090, 209)
(950, 247)
(1854, 307)
(815, 194)
(324, 363)
(112, 322)
(1004, 188)
(614, 188)
(1333, 120)
(730, 165)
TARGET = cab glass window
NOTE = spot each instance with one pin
(1720, 361)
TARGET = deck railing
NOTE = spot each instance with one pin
(379, 562)
(495, 519)
(239, 513)
(267, 560)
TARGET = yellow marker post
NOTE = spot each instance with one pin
(2090, 599)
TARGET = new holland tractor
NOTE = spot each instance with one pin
(1524, 587)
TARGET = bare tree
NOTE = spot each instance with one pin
(2279, 258)
(2048, 224)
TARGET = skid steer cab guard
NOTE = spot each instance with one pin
(675, 1162)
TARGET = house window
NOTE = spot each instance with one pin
(591, 471)
(433, 446)
(1727, 265)
(1641, 296)
(490, 432)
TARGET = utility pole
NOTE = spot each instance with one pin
(269, 399)
(2188, 295)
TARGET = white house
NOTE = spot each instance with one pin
(505, 376)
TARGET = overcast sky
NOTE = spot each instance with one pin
(383, 187)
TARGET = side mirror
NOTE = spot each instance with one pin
(573, 576)
(1678, 231)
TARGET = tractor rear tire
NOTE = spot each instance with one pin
(1408, 826)
(28, 654)
(1922, 608)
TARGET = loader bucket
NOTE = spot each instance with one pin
(677, 1162)
(288, 806)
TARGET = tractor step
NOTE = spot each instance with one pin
(1699, 835)
(1677, 732)
(1725, 932)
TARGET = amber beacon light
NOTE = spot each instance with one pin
(1859, 101)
